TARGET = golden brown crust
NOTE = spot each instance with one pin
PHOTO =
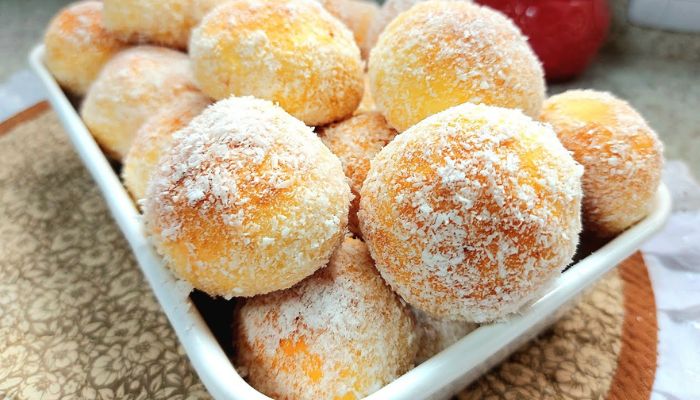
(621, 155)
(339, 334)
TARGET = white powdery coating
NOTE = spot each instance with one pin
(78, 45)
(471, 211)
(154, 138)
(131, 87)
(390, 10)
(622, 157)
(438, 334)
(166, 23)
(441, 54)
(340, 332)
(247, 200)
(291, 52)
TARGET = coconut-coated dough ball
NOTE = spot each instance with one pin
(247, 200)
(441, 54)
(291, 52)
(356, 141)
(340, 334)
(77, 45)
(132, 87)
(621, 155)
(437, 334)
(163, 22)
(154, 138)
(471, 212)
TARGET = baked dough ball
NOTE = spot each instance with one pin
(441, 54)
(154, 138)
(164, 22)
(291, 52)
(438, 334)
(621, 155)
(340, 334)
(356, 141)
(77, 45)
(471, 212)
(132, 87)
(247, 200)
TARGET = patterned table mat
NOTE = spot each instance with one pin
(79, 321)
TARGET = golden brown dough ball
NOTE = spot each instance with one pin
(291, 52)
(78, 45)
(470, 213)
(131, 87)
(441, 54)
(163, 22)
(621, 155)
(247, 200)
(356, 141)
(154, 138)
(340, 334)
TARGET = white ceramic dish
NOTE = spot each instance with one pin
(437, 378)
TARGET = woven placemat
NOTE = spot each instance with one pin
(79, 321)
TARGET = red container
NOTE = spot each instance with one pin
(565, 34)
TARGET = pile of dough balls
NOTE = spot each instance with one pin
(369, 183)
(621, 154)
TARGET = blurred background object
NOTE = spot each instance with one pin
(565, 34)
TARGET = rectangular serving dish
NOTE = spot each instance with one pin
(437, 378)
